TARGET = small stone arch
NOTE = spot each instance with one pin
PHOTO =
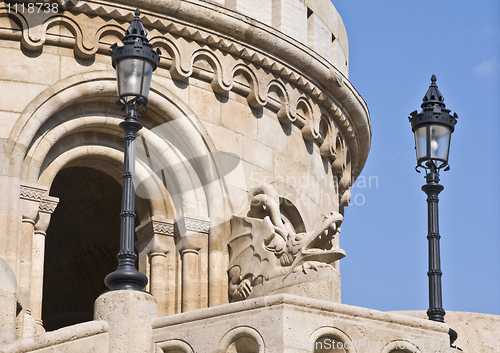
(400, 346)
(175, 346)
(242, 339)
(330, 339)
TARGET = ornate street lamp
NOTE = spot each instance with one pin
(134, 62)
(433, 128)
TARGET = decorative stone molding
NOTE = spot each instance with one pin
(400, 346)
(163, 228)
(48, 204)
(266, 66)
(189, 224)
(45, 209)
(32, 192)
(197, 225)
(30, 197)
(153, 227)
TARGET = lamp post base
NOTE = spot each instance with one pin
(126, 278)
(436, 314)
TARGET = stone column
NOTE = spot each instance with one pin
(190, 274)
(156, 246)
(30, 197)
(158, 276)
(193, 247)
(45, 210)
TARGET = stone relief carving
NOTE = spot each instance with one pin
(263, 247)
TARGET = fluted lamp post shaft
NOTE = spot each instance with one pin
(432, 189)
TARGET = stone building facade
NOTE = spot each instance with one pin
(253, 138)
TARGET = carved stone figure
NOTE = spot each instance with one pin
(263, 247)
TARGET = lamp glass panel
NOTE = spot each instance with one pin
(421, 142)
(440, 142)
(130, 75)
(146, 79)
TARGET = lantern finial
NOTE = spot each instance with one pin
(136, 30)
(433, 97)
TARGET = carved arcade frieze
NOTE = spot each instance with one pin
(227, 62)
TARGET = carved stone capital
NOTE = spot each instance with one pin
(48, 204)
(192, 243)
(152, 227)
(32, 192)
(187, 225)
(156, 254)
(45, 209)
(30, 197)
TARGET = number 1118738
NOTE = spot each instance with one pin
(32, 7)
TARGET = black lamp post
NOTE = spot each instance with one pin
(432, 128)
(134, 62)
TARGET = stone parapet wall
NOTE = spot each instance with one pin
(287, 323)
(477, 333)
(86, 337)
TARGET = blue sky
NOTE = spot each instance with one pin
(395, 46)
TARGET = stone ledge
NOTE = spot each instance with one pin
(50, 339)
(298, 301)
(287, 323)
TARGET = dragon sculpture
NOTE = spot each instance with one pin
(262, 246)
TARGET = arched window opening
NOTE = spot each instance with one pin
(243, 345)
(329, 344)
(81, 245)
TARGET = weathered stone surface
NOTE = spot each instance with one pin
(287, 323)
(8, 303)
(89, 337)
(477, 333)
(275, 256)
(129, 315)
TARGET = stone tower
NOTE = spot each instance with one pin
(253, 138)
